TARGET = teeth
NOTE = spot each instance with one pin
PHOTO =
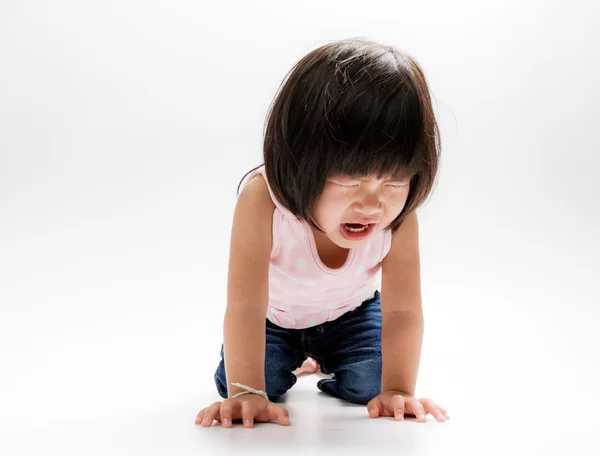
(355, 230)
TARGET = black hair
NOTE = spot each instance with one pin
(354, 107)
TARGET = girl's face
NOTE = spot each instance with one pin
(364, 200)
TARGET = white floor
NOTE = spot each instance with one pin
(318, 423)
(511, 386)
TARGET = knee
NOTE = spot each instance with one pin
(277, 382)
(221, 381)
(364, 394)
(360, 385)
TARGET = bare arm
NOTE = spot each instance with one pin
(402, 315)
(247, 288)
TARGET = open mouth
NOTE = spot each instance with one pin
(356, 227)
(356, 231)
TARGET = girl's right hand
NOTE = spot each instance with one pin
(248, 407)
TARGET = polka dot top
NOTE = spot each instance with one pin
(304, 292)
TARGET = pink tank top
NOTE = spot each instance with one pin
(304, 292)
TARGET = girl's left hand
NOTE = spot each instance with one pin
(398, 403)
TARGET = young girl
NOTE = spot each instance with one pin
(351, 150)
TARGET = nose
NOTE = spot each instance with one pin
(369, 204)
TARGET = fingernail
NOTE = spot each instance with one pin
(225, 421)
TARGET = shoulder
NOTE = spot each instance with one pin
(255, 196)
(405, 243)
(401, 280)
(253, 217)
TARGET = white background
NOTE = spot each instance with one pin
(124, 130)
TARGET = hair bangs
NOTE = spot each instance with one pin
(353, 107)
(372, 125)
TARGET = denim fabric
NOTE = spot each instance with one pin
(349, 348)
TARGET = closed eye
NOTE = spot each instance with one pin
(344, 185)
(356, 185)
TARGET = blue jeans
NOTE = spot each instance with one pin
(349, 348)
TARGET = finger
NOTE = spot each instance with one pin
(227, 409)
(398, 404)
(444, 411)
(281, 415)
(374, 407)
(200, 416)
(417, 409)
(432, 408)
(247, 414)
(209, 414)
